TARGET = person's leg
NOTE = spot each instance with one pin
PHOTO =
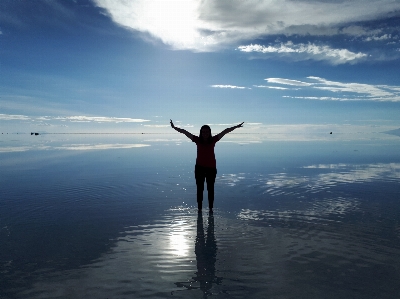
(200, 176)
(210, 177)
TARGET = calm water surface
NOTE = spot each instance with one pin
(115, 217)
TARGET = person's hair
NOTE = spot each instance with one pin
(210, 138)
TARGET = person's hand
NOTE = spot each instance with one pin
(172, 124)
(240, 125)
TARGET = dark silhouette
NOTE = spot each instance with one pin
(206, 256)
(206, 166)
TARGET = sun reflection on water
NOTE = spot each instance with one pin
(179, 238)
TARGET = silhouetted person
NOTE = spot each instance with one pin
(206, 166)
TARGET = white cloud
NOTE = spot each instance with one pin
(326, 98)
(271, 87)
(84, 147)
(228, 86)
(230, 125)
(157, 126)
(204, 25)
(307, 51)
(51, 123)
(366, 91)
(44, 118)
(174, 22)
(13, 117)
(344, 91)
(287, 81)
(378, 38)
(165, 140)
(99, 119)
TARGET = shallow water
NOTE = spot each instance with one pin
(115, 217)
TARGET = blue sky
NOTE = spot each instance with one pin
(130, 66)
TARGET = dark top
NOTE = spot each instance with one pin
(205, 152)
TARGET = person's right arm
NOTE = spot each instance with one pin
(183, 131)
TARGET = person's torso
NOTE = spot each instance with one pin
(205, 154)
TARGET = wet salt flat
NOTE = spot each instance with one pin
(113, 217)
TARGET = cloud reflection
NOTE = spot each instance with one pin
(322, 212)
(11, 149)
(314, 191)
(339, 174)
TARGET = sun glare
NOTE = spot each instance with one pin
(173, 20)
(178, 239)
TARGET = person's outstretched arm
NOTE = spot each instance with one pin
(228, 130)
(183, 131)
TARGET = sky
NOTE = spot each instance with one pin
(119, 66)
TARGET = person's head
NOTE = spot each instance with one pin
(205, 134)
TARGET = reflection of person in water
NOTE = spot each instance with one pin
(205, 168)
(206, 255)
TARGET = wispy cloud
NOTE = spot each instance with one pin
(378, 37)
(157, 126)
(100, 119)
(81, 123)
(13, 117)
(228, 86)
(207, 25)
(79, 118)
(371, 91)
(307, 51)
(271, 87)
(85, 147)
(287, 81)
(343, 91)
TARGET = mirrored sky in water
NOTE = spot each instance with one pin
(114, 216)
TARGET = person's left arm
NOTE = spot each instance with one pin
(228, 130)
